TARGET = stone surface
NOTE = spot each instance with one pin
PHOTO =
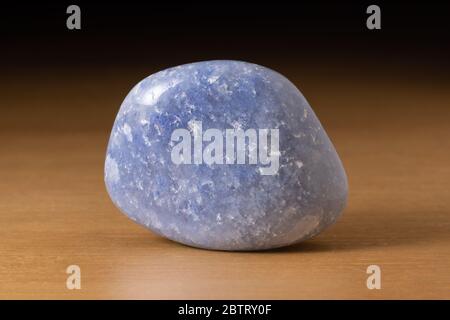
(206, 198)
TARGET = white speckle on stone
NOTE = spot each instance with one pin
(194, 126)
(236, 125)
(147, 142)
(223, 89)
(194, 216)
(155, 221)
(174, 227)
(177, 120)
(115, 139)
(144, 122)
(299, 164)
(111, 170)
(158, 129)
(126, 129)
(212, 79)
(152, 94)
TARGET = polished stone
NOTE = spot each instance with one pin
(224, 155)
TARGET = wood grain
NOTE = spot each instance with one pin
(391, 130)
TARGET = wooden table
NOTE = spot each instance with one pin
(391, 129)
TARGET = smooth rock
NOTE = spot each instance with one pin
(177, 163)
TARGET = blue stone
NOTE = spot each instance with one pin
(224, 155)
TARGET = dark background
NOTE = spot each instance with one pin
(413, 34)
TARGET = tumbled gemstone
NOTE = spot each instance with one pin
(224, 155)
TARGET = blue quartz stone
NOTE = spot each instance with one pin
(174, 163)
